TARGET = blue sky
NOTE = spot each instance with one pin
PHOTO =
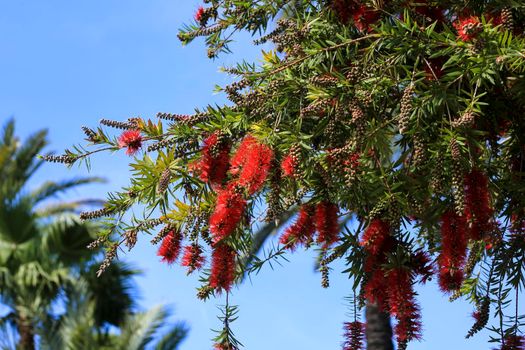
(64, 64)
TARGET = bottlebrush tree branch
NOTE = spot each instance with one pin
(404, 117)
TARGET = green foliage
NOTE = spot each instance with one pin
(407, 90)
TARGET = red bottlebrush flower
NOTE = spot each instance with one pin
(302, 231)
(343, 9)
(193, 257)
(401, 299)
(450, 278)
(513, 342)
(478, 211)
(326, 223)
(403, 305)
(468, 28)
(222, 267)
(229, 209)
(364, 17)
(239, 158)
(252, 163)
(422, 265)
(494, 18)
(375, 235)
(198, 14)
(213, 167)
(170, 248)
(354, 335)
(289, 165)
(130, 139)
(434, 13)
(375, 289)
(453, 251)
(256, 168)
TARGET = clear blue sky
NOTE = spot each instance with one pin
(64, 64)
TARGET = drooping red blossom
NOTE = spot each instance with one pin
(422, 265)
(251, 163)
(222, 267)
(289, 165)
(453, 251)
(468, 28)
(375, 235)
(256, 168)
(343, 9)
(375, 288)
(494, 18)
(213, 167)
(354, 333)
(326, 223)
(198, 14)
(402, 304)
(450, 278)
(132, 140)
(302, 231)
(364, 17)
(434, 13)
(478, 211)
(193, 257)
(239, 158)
(229, 210)
(513, 342)
(381, 244)
(170, 247)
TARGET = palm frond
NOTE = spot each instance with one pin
(24, 162)
(17, 221)
(8, 133)
(139, 329)
(114, 292)
(67, 237)
(173, 338)
(76, 327)
(67, 207)
(51, 188)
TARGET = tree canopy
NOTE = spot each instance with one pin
(393, 129)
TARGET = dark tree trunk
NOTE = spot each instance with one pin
(378, 329)
(27, 335)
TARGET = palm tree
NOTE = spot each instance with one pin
(78, 326)
(42, 247)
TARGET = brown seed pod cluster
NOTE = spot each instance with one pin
(406, 108)
(507, 18)
(164, 181)
(457, 178)
(466, 120)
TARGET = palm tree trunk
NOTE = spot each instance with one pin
(378, 329)
(27, 334)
